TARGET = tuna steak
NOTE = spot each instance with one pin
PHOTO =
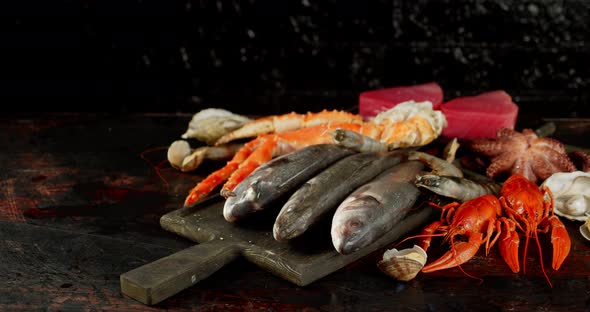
(373, 102)
(471, 117)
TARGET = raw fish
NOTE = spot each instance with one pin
(375, 208)
(279, 176)
(373, 102)
(471, 117)
(322, 194)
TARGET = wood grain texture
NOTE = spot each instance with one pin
(302, 262)
(165, 277)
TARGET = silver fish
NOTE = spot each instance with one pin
(279, 176)
(322, 194)
(461, 189)
(375, 208)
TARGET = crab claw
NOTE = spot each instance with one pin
(508, 244)
(460, 253)
(560, 241)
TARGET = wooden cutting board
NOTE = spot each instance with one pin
(301, 261)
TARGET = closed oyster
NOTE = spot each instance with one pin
(403, 264)
(571, 192)
(210, 124)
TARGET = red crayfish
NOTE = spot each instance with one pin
(530, 210)
(522, 208)
(471, 219)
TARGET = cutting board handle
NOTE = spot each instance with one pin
(165, 277)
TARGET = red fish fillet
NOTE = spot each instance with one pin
(479, 116)
(373, 102)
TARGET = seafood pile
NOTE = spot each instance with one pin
(365, 176)
(295, 159)
(406, 125)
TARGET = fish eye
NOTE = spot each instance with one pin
(355, 224)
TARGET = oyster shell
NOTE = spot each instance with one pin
(585, 229)
(210, 124)
(403, 264)
(571, 192)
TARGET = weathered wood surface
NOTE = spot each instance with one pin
(301, 262)
(79, 207)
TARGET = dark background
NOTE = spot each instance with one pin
(270, 56)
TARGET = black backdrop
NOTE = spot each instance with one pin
(272, 56)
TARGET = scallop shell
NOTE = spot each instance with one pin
(210, 124)
(571, 192)
(403, 264)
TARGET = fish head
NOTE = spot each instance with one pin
(289, 224)
(241, 205)
(428, 180)
(294, 217)
(351, 229)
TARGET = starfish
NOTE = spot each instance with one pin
(523, 153)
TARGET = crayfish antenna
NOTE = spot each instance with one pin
(417, 236)
(540, 259)
(155, 167)
(471, 276)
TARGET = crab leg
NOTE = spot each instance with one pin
(263, 149)
(288, 122)
(205, 187)
(282, 143)
(262, 154)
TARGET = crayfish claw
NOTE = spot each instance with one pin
(560, 241)
(460, 253)
(508, 244)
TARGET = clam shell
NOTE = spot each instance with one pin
(571, 192)
(177, 151)
(403, 264)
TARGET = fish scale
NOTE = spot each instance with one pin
(322, 194)
(282, 175)
(375, 208)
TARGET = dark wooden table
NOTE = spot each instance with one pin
(79, 206)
